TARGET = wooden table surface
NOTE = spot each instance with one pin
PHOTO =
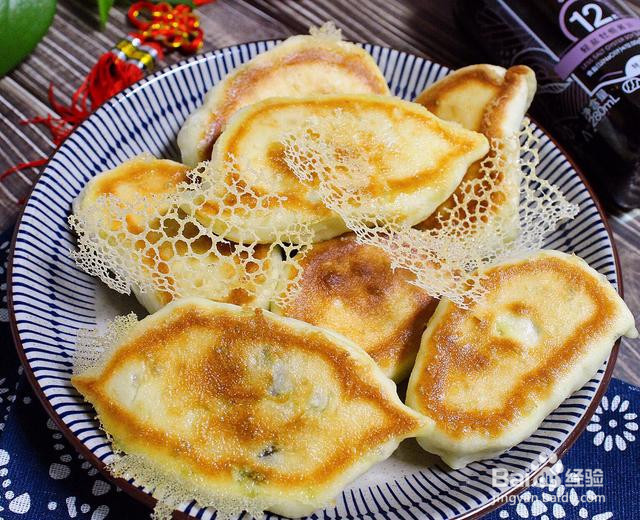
(74, 42)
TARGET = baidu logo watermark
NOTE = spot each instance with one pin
(560, 484)
(550, 476)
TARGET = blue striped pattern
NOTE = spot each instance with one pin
(53, 299)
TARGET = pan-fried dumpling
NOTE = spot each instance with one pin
(399, 156)
(242, 409)
(493, 101)
(221, 275)
(350, 288)
(141, 176)
(489, 375)
(300, 66)
(485, 98)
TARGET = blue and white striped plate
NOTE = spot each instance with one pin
(52, 298)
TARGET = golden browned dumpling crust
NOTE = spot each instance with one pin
(490, 100)
(300, 66)
(410, 160)
(490, 374)
(220, 275)
(351, 288)
(245, 407)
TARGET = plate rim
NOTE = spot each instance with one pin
(148, 500)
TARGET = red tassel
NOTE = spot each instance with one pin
(58, 127)
(109, 76)
(22, 166)
(172, 27)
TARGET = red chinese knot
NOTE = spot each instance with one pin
(175, 27)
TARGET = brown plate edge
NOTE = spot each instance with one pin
(501, 500)
(149, 501)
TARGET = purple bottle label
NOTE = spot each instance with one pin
(598, 51)
(578, 19)
(586, 56)
(596, 40)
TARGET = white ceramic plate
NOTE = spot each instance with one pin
(51, 298)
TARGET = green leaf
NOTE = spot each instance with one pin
(104, 6)
(23, 23)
